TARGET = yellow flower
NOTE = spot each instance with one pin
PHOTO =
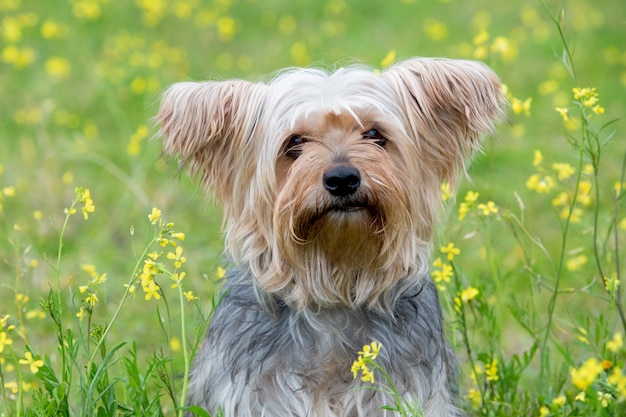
(86, 9)
(471, 197)
(177, 257)
(537, 157)
(177, 278)
(20, 58)
(21, 298)
(152, 290)
(561, 200)
(81, 313)
(35, 314)
(563, 170)
(611, 284)
(463, 210)
(481, 37)
(598, 109)
(469, 294)
(90, 269)
(544, 411)
(357, 365)
(457, 304)
(189, 295)
(581, 397)
(491, 369)
(519, 106)
(370, 351)
(443, 274)
(435, 30)
(140, 134)
(583, 335)
(388, 59)
(564, 112)
(475, 396)
(618, 187)
(58, 68)
(154, 216)
(502, 46)
(175, 344)
(178, 235)
(576, 262)
(548, 87)
(559, 401)
(450, 250)
(367, 375)
(604, 398)
(487, 209)
(541, 184)
(91, 299)
(31, 362)
(574, 218)
(12, 385)
(619, 381)
(584, 193)
(4, 341)
(220, 273)
(584, 376)
(8, 191)
(84, 196)
(52, 30)
(138, 85)
(583, 93)
(615, 344)
(226, 28)
(445, 191)
(368, 354)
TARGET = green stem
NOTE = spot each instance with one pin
(569, 62)
(125, 297)
(60, 252)
(561, 262)
(464, 332)
(59, 307)
(183, 394)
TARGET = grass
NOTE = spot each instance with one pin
(532, 296)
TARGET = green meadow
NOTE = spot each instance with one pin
(111, 258)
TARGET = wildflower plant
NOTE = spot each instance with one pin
(86, 359)
(365, 365)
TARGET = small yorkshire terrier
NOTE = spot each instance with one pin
(330, 186)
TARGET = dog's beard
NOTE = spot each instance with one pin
(348, 232)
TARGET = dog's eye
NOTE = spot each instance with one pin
(374, 134)
(293, 149)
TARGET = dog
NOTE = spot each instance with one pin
(330, 185)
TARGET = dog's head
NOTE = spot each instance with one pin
(330, 182)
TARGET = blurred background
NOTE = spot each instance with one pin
(81, 81)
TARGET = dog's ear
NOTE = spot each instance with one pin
(209, 126)
(448, 104)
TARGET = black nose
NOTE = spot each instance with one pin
(342, 180)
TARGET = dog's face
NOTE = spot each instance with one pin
(330, 182)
